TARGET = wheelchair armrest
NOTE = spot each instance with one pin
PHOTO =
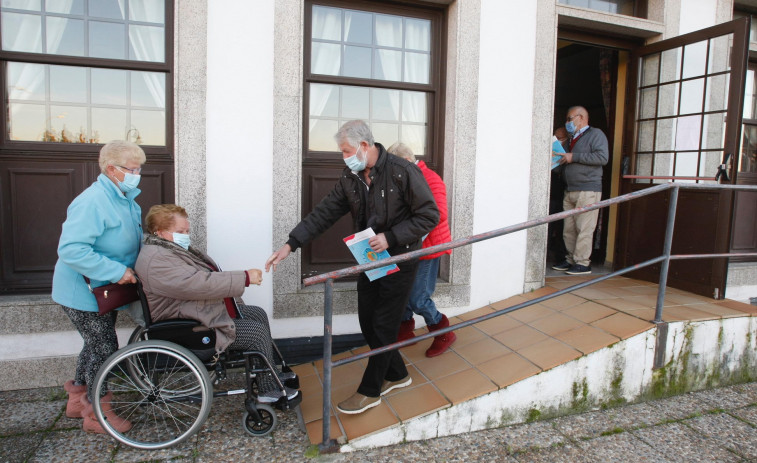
(178, 323)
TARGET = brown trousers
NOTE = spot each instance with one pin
(578, 230)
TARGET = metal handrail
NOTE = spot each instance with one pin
(329, 445)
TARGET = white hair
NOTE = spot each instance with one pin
(120, 152)
(402, 150)
(353, 132)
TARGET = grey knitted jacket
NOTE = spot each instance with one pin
(590, 153)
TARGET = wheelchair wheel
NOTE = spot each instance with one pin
(266, 425)
(139, 334)
(168, 403)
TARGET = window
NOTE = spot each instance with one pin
(372, 65)
(625, 7)
(682, 109)
(372, 61)
(86, 71)
(747, 161)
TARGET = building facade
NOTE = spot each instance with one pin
(236, 102)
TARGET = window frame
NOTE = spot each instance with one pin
(435, 108)
(25, 148)
(640, 9)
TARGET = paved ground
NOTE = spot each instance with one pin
(709, 426)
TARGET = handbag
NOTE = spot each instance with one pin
(112, 296)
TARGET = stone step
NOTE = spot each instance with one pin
(42, 359)
(38, 314)
(38, 343)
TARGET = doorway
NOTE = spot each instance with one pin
(586, 75)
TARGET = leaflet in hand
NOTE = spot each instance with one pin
(358, 244)
(556, 148)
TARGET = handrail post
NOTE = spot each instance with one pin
(666, 253)
(327, 444)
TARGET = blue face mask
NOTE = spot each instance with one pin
(355, 163)
(181, 239)
(130, 181)
(570, 127)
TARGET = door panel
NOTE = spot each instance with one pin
(327, 252)
(34, 197)
(687, 101)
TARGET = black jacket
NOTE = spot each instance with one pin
(403, 207)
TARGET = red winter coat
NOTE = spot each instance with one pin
(440, 234)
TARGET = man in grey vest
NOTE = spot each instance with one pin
(582, 174)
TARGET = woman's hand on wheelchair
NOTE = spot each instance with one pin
(128, 277)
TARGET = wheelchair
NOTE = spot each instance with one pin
(163, 382)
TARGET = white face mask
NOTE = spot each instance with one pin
(355, 163)
(181, 239)
(130, 181)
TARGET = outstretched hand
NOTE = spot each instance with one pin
(277, 257)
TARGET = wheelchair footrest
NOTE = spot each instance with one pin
(284, 404)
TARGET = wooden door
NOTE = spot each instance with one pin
(687, 99)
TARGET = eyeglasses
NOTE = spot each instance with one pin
(571, 117)
(134, 171)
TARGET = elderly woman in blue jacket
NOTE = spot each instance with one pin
(100, 240)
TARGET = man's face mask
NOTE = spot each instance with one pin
(355, 163)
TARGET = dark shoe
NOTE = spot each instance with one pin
(389, 386)
(290, 379)
(358, 403)
(562, 266)
(406, 330)
(579, 270)
(442, 342)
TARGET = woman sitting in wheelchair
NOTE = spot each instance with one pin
(181, 281)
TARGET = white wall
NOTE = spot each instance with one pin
(506, 79)
(240, 142)
(697, 14)
(240, 138)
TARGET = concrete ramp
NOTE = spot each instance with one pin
(592, 348)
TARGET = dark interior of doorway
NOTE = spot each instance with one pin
(586, 76)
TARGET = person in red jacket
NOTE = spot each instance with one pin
(428, 266)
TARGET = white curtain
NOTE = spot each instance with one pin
(416, 67)
(326, 57)
(56, 26)
(148, 45)
(417, 34)
(22, 32)
(319, 96)
(413, 106)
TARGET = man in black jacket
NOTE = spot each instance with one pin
(389, 195)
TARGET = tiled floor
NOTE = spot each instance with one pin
(506, 349)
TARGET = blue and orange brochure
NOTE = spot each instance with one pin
(358, 244)
(556, 148)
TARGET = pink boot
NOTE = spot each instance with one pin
(442, 342)
(74, 406)
(406, 330)
(90, 420)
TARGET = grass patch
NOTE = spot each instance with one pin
(312, 451)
